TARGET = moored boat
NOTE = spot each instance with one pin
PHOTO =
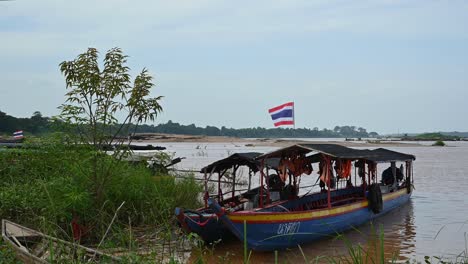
(339, 205)
(203, 221)
(31, 246)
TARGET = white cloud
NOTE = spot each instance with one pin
(64, 23)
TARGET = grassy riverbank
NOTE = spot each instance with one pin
(52, 184)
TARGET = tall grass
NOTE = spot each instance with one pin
(373, 252)
(51, 183)
(7, 255)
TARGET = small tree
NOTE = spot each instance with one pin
(97, 98)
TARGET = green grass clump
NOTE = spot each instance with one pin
(439, 143)
(7, 256)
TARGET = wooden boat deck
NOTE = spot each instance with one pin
(14, 230)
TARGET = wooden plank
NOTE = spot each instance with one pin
(47, 247)
(46, 254)
(19, 244)
(17, 231)
(40, 248)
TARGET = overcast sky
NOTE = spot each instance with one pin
(384, 65)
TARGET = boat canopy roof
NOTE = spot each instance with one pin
(386, 155)
(339, 152)
(240, 159)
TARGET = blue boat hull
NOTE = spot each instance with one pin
(206, 224)
(267, 231)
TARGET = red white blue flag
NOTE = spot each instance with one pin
(283, 115)
(18, 134)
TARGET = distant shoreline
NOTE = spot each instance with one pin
(273, 142)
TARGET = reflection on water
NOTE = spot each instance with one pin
(433, 223)
(398, 227)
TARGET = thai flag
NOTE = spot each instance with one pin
(18, 134)
(283, 115)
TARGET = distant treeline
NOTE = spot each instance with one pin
(257, 132)
(37, 124)
(456, 134)
(450, 136)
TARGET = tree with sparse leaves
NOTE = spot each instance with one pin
(96, 100)
(97, 97)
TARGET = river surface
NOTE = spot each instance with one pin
(433, 223)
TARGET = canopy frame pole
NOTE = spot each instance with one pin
(262, 175)
(328, 183)
(250, 178)
(268, 183)
(220, 195)
(393, 164)
(220, 191)
(355, 174)
(205, 197)
(328, 195)
(412, 172)
(407, 172)
(372, 167)
(376, 172)
(408, 176)
(368, 173)
(234, 180)
(364, 176)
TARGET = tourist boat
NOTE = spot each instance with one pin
(32, 246)
(203, 221)
(341, 204)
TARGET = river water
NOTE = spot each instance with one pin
(433, 223)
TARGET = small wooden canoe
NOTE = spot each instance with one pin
(32, 246)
